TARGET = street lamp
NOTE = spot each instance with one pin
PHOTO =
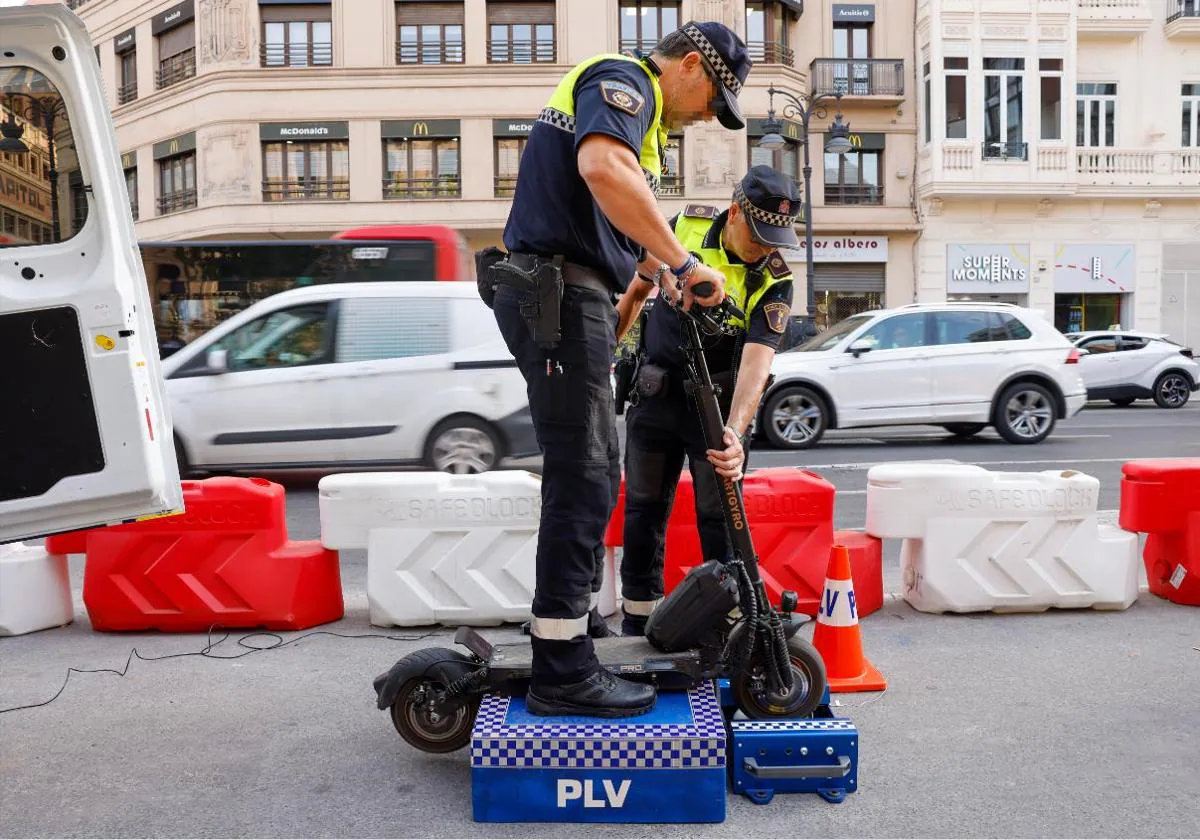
(10, 140)
(805, 107)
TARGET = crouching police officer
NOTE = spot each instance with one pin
(663, 425)
(584, 214)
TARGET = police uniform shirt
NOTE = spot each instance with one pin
(553, 211)
(664, 332)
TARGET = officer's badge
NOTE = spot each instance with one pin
(785, 206)
(623, 97)
(777, 315)
(778, 266)
(700, 211)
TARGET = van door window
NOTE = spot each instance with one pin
(287, 338)
(392, 328)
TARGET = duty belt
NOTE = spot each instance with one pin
(573, 274)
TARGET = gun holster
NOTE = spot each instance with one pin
(484, 260)
(625, 373)
(541, 289)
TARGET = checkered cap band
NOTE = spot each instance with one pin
(764, 216)
(714, 58)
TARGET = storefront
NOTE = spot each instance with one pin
(1180, 307)
(1093, 286)
(991, 272)
(850, 274)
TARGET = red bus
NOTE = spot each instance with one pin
(196, 284)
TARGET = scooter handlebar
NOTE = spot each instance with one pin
(705, 288)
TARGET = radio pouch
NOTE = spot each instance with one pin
(652, 380)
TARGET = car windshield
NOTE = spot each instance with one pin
(827, 339)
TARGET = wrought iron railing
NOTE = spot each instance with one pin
(318, 54)
(522, 52)
(1182, 9)
(306, 189)
(1005, 150)
(127, 92)
(854, 193)
(771, 52)
(407, 188)
(504, 186)
(177, 68)
(670, 186)
(434, 52)
(173, 202)
(858, 76)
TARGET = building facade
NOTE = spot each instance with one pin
(1059, 159)
(260, 119)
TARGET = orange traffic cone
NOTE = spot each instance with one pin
(837, 637)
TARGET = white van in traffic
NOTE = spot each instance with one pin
(351, 375)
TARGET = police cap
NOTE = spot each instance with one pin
(771, 203)
(728, 61)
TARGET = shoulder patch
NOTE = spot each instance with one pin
(778, 266)
(700, 211)
(623, 97)
(777, 314)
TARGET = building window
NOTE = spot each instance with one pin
(421, 168)
(927, 104)
(671, 183)
(177, 55)
(508, 162)
(854, 178)
(1083, 313)
(1095, 114)
(786, 160)
(177, 183)
(126, 77)
(851, 41)
(645, 22)
(767, 25)
(956, 98)
(297, 36)
(429, 33)
(1004, 108)
(131, 187)
(309, 170)
(521, 33)
(1050, 71)
(1191, 115)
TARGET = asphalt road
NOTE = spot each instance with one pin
(1062, 724)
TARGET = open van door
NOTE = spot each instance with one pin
(85, 434)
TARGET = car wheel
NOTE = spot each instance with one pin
(463, 445)
(1121, 402)
(795, 418)
(1172, 390)
(1025, 413)
(964, 430)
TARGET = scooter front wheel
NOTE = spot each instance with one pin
(418, 712)
(809, 681)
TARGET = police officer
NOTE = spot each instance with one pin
(664, 425)
(585, 211)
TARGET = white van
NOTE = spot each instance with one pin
(351, 375)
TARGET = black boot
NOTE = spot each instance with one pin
(600, 695)
(633, 625)
(597, 627)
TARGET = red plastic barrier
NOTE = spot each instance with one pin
(225, 561)
(791, 519)
(1161, 498)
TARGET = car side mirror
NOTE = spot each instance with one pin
(217, 361)
(861, 346)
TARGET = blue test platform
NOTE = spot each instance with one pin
(813, 755)
(668, 766)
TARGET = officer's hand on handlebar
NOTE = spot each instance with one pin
(704, 285)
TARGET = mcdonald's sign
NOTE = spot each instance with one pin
(175, 146)
(790, 129)
(403, 129)
(870, 141)
(304, 131)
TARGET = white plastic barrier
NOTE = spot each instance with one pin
(976, 540)
(35, 590)
(442, 548)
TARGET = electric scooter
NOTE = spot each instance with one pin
(718, 623)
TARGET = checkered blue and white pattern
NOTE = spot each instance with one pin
(825, 725)
(601, 745)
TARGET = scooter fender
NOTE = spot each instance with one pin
(446, 668)
(794, 622)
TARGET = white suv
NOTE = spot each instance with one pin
(959, 365)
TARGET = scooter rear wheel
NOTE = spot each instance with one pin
(420, 725)
(809, 681)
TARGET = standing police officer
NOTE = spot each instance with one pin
(584, 215)
(664, 425)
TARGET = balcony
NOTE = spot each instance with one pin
(1139, 168)
(866, 80)
(1123, 18)
(503, 186)
(522, 52)
(306, 189)
(1005, 150)
(670, 186)
(771, 52)
(409, 189)
(430, 52)
(127, 92)
(1183, 18)
(316, 54)
(175, 202)
(853, 194)
(177, 68)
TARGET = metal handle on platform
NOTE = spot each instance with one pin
(797, 771)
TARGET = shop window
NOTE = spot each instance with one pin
(421, 168)
(645, 22)
(1075, 313)
(297, 36)
(306, 171)
(429, 33)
